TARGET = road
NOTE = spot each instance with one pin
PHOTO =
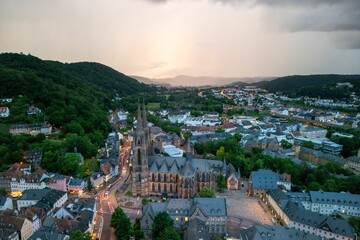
(106, 203)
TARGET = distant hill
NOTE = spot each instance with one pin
(150, 81)
(81, 92)
(191, 81)
(312, 85)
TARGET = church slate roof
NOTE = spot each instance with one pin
(197, 165)
(187, 170)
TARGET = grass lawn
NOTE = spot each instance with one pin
(153, 106)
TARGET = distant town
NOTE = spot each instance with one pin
(264, 166)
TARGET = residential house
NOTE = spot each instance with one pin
(353, 162)
(23, 179)
(313, 132)
(79, 212)
(33, 111)
(75, 185)
(211, 211)
(33, 156)
(178, 117)
(4, 112)
(46, 198)
(284, 181)
(9, 234)
(110, 169)
(21, 225)
(96, 179)
(57, 181)
(45, 235)
(5, 203)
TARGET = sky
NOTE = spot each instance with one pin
(165, 38)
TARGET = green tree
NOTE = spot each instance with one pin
(161, 221)
(121, 223)
(355, 223)
(187, 135)
(89, 185)
(144, 201)
(285, 144)
(136, 232)
(70, 164)
(220, 153)
(3, 192)
(78, 235)
(169, 234)
(207, 193)
(129, 194)
(221, 183)
(238, 137)
(219, 130)
(308, 144)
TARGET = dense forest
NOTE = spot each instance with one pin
(323, 86)
(74, 98)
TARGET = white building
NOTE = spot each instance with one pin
(47, 198)
(173, 151)
(295, 216)
(194, 121)
(178, 117)
(4, 112)
(5, 203)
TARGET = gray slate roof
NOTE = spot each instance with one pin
(297, 213)
(335, 198)
(263, 179)
(275, 233)
(179, 164)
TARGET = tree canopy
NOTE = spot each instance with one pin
(121, 223)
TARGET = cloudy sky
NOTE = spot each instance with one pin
(164, 38)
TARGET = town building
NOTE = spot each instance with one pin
(4, 112)
(328, 203)
(209, 211)
(294, 215)
(275, 233)
(32, 129)
(5, 203)
(46, 198)
(33, 156)
(21, 225)
(261, 181)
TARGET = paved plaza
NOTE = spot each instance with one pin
(244, 211)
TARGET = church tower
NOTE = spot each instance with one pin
(139, 173)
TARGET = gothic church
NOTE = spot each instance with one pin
(183, 177)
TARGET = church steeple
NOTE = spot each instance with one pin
(139, 124)
(144, 118)
(224, 166)
(188, 150)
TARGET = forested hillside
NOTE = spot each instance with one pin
(313, 85)
(81, 92)
(74, 98)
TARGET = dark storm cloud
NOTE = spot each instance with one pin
(307, 15)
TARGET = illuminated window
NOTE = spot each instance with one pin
(186, 219)
(177, 219)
